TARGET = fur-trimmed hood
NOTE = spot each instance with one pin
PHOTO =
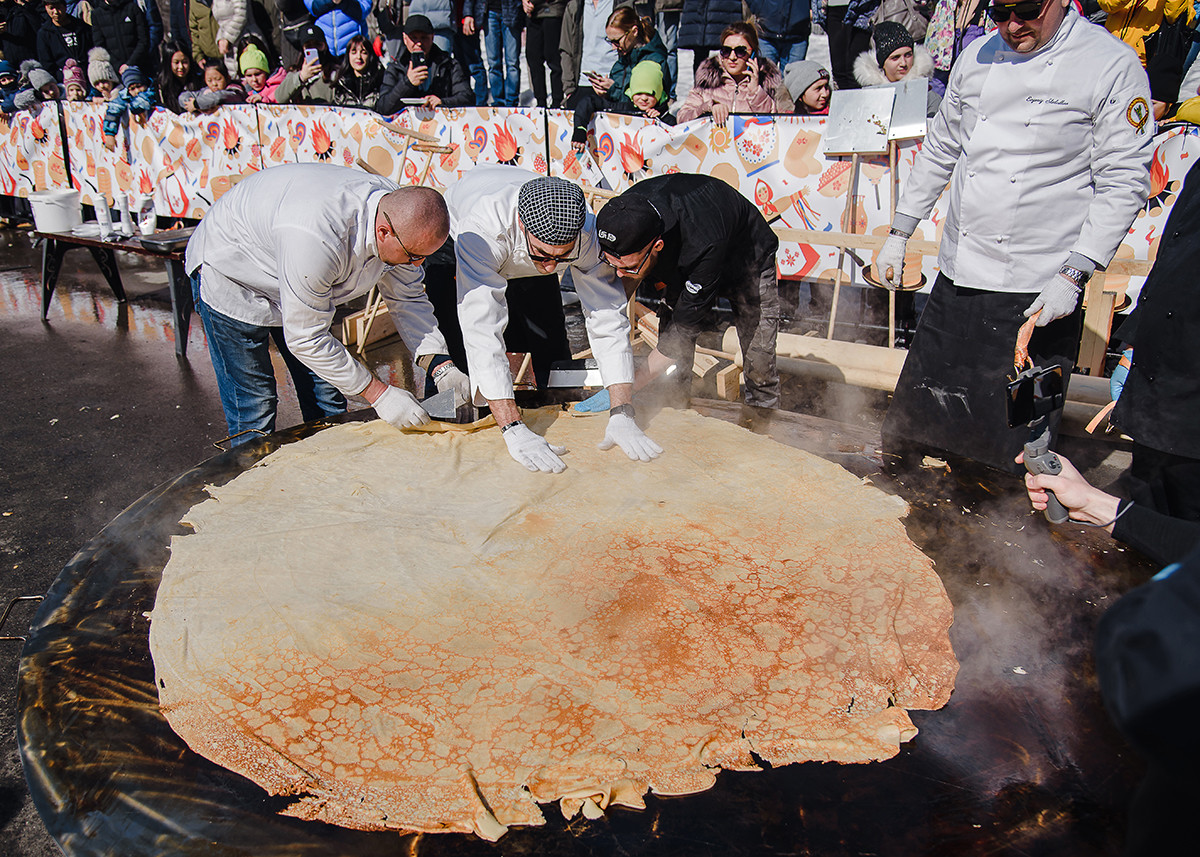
(868, 72)
(710, 75)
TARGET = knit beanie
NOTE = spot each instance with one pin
(134, 76)
(37, 76)
(799, 76)
(7, 68)
(890, 36)
(26, 99)
(646, 79)
(252, 57)
(72, 73)
(100, 67)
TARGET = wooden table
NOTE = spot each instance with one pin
(56, 244)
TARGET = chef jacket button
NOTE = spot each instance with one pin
(1000, 240)
(1175, 234)
(1012, 179)
(971, 173)
(1112, 101)
(1170, 314)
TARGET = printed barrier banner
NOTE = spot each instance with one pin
(186, 162)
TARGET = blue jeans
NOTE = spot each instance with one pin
(790, 51)
(241, 359)
(466, 52)
(504, 61)
(668, 31)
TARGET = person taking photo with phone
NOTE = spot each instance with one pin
(423, 75)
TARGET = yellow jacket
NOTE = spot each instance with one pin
(1132, 20)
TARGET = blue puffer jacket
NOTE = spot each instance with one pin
(858, 13)
(340, 22)
(122, 102)
(702, 21)
(781, 19)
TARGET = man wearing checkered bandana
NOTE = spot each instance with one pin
(511, 230)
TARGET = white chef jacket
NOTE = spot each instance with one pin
(289, 244)
(490, 248)
(1046, 153)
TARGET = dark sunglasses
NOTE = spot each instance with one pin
(616, 41)
(1026, 11)
(741, 52)
(565, 259)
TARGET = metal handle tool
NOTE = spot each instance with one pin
(1040, 459)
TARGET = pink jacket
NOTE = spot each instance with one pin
(713, 85)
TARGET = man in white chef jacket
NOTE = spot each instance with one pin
(1045, 139)
(508, 223)
(275, 256)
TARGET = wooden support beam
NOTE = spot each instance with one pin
(729, 383)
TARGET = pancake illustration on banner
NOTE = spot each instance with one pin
(756, 142)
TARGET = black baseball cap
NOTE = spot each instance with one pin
(627, 223)
(417, 24)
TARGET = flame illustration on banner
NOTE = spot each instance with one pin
(322, 142)
(37, 131)
(145, 186)
(232, 141)
(632, 160)
(507, 150)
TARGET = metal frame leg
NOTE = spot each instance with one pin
(52, 256)
(181, 304)
(107, 261)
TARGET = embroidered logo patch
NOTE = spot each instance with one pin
(1138, 113)
(694, 288)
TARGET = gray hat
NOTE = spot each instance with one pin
(100, 67)
(38, 76)
(26, 99)
(800, 75)
(552, 209)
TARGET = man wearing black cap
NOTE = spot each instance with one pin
(695, 239)
(512, 229)
(423, 74)
(1045, 139)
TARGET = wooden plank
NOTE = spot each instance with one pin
(845, 239)
(729, 383)
(1097, 326)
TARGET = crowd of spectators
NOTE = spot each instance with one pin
(589, 56)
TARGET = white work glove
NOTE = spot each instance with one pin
(1056, 300)
(891, 256)
(400, 408)
(533, 450)
(624, 432)
(447, 376)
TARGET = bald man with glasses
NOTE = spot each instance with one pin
(1045, 140)
(512, 230)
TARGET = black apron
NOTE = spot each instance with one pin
(952, 392)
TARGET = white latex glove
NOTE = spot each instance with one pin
(1056, 300)
(450, 377)
(624, 432)
(889, 261)
(533, 450)
(400, 408)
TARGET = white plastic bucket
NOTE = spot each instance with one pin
(56, 210)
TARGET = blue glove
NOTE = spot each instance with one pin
(1116, 383)
(597, 404)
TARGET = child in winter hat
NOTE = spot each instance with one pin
(74, 81)
(101, 72)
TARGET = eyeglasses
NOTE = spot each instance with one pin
(413, 258)
(740, 51)
(1026, 11)
(608, 257)
(617, 40)
(564, 259)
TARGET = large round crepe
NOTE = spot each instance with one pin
(411, 631)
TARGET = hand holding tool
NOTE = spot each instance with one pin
(1056, 300)
(1040, 459)
(400, 408)
(889, 261)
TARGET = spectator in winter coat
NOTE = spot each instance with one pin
(647, 98)
(848, 26)
(701, 25)
(896, 58)
(635, 41)
(582, 47)
(177, 74)
(356, 82)
(217, 90)
(136, 96)
(216, 26)
(807, 83)
(62, 37)
(101, 74)
(667, 24)
(119, 26)
(1132, 21)
(441, 15)
(8, 83)
(784, 27)
(339, 20)
(20, 21)
(39, 86)
(257, 79)
(424, 71)
(309, 81)
(736, 81)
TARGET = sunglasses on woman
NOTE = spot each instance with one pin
(1026, 11)
(740, 51)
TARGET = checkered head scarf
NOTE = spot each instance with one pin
(552, 209)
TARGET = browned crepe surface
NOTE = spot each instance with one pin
(410, 631)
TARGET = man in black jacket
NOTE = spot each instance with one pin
(692, 239)
(61, 38)
(424, 73)
(119, 26)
